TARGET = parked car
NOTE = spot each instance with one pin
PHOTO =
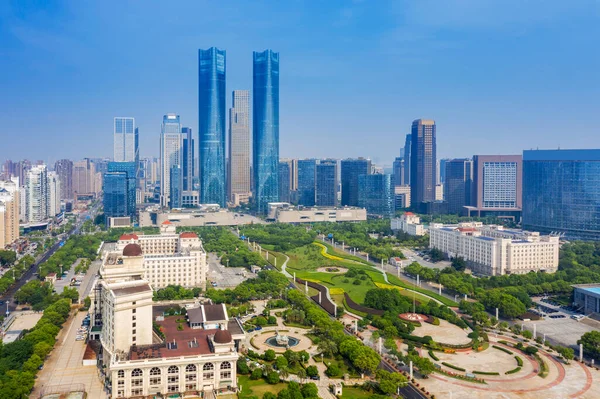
(258, 328)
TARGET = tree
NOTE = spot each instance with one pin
(272, 377)
(527, 334)
(281, 362)
(327, 347)
(242, 366)
(567, 353)
(312, 371)
(7, 257)
(302, 375)
(531, 350)
(459, 264)
(332, 370)
(591, 343)
(310, 391)
(269, 395)
(389, 382)
(257, 374)
(269, 355)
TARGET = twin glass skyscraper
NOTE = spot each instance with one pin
(211, 126)
(265, 107)
(211, 112)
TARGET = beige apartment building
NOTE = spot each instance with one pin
(135, 362)
(493, 251)
(408, 223)
(9, 211)
(170, 258)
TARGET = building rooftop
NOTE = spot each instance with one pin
(186, 342)
(591, 288)
(131, 290)
(127, 237)
(207, 313)
(188, 234)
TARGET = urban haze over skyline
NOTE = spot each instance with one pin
(506, 68)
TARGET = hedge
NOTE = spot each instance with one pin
(516, 370)
(433, 356)
(326, 304)
(486, 372)
(453, 366)
(519, 361)
(355, 306)
(502, 349)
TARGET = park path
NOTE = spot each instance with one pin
(283, 270)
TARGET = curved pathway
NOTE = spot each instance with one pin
(283, 270)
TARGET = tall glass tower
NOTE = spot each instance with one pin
(265, 128)
(171, 154)
(423, 175)
(211, 125)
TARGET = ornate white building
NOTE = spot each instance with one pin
(493, 250)
(134, 360)
(170, 258)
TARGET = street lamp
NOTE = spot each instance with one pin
(7, 312)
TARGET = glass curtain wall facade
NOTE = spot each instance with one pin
(171, 154)
(423, 174)
(458, 176)
(376, 194)
(284, 182)
(129, 170)
(115, 200)
(238, 178)
(189, 155)
(350, 170)
(265, 111)
(407, 150)
(326, 183)
(211, 126)
(306, 181)
(126, 140)
(176, 193)
(561, 192)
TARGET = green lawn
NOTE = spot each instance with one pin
(396, 281)
(257, 387)
(355, 393)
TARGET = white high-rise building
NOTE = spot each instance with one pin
(126, 140)
(37, 205)
(53, 194)
(171, 154)
(239, 145)
(9, 211)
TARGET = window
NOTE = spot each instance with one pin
(121, 374)
(208, 366)
(133, 332)
(190, 368)
(134, 325)
(225, 366)
(138, 372)
(173, 370)
(133, 310)
(155, 371)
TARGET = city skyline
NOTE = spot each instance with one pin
(526, 101)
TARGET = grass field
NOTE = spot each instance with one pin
(355, 393)
(396, 281)
(257, 387)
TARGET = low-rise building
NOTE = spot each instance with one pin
(587, 297)
(135, 362)
(409, 223)
(492, 250)
(169, 258)
(204, 215)
(284, 212)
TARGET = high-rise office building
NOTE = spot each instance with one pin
(497, 186)
(441, 171)
(423, 162)
(36, 194)
(284, 181)
(238, 178)
(129, 170)
(211, 126)
(115, 199)
(561, 192)
(54, 185)
(326, 183)
(350, 170)
(376, 194)
(457, 186)
(306, 181)
(189, 154)
(398, 168)
(126, 140)
(171, 154)
(64, 168)
(84, 177)
(9, 211)
(407, 161)
(265, 120)
(176, 194)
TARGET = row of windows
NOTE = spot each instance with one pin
(175, 369)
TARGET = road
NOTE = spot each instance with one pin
(29, 274)
(409, 391)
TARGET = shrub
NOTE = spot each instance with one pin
(256, 374)
(513, 371)
(433, 356)
(486, 372)
(502, 349)
(273, 377)
(453, 366)
(519, 361)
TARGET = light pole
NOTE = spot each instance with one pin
(7, 312)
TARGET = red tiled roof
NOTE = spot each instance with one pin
(465, 229)
(166, 222)
(127, 237)
(409, 213)
(188, 234)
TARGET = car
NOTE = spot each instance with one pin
(315, 377)
(79, 338)
(258, 328)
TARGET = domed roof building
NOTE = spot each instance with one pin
(132, 250)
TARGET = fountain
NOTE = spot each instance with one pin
(282, 341)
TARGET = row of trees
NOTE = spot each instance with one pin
(176, 292)
(15, 272)
(20, 360)
(268, 283)
(280, 237)
(40, 294)
(232, 251)
(77, 246)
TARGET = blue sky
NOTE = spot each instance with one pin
(497, 76)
